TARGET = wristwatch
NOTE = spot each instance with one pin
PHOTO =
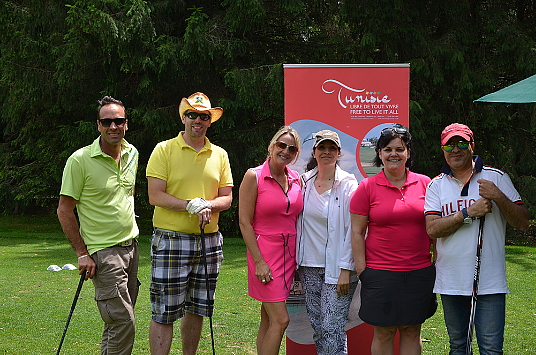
(466, 218)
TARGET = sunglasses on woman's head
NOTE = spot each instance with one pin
(398, 130)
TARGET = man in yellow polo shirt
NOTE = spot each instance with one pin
(189, 182)
(98, 180)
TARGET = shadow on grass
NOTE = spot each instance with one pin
(524, 256)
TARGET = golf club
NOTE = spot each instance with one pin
(474, 295)
(80, 283)
(204, 250)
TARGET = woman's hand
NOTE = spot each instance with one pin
(343, 284)
(263, 272)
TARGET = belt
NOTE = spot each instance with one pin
(126, 243)
(180, 234)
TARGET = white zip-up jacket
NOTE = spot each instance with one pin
(339, 248)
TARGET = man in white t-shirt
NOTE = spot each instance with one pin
(466, 190)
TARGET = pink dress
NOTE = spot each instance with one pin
(274, 223)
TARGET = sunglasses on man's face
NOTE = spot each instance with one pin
(461, 144)
(283, 146)
(194, 115)
(107, 122)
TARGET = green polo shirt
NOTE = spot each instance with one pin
(105, 194)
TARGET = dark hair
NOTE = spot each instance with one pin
(107, 100)
(312, 163)
(387, 135)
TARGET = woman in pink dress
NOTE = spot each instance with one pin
(269, 203)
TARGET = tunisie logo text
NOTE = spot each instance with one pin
(369, 97)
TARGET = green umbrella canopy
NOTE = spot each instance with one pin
(522, 92)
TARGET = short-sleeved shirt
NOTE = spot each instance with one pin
(188, 174)
(396, 238)
(105, 194)
(456, 253)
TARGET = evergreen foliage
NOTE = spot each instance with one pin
(59, 57)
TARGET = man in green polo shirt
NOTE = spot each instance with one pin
(98, 180)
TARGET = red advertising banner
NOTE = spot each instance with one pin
(357, 101)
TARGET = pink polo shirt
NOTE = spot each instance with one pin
(397, 238)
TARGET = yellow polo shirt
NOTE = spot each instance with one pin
(105, 194)
(188, 174)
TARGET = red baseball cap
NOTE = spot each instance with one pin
(456, 129)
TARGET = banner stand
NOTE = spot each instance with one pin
(357, 101)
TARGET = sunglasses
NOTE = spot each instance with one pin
(194, 115)
(398, 130)
(107, 122)
(283, 146)
(461, 144)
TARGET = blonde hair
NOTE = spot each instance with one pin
(285, 130)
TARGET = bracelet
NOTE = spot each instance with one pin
(82, 256)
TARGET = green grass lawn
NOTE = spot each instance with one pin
(35, 302)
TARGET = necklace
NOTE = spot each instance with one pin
(320, 183)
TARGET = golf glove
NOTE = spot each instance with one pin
(197, 204)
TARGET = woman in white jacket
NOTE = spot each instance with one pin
(324, 251)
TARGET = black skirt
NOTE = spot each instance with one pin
(396, 298)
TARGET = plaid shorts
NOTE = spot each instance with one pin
(178, 281)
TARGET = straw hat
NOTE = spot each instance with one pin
(200, 102)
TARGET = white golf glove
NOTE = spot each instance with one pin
(197, 204)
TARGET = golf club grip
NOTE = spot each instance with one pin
(75, 300)
(478, 254)
(204, 251)
(80, 284)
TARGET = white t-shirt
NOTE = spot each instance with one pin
(315, 229)
(456, 254)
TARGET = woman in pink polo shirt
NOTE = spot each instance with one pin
(391, 247)
(269, 203)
